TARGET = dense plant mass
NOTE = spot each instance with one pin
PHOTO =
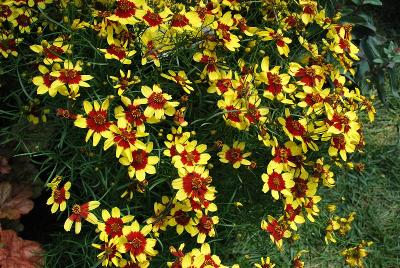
(173, 97)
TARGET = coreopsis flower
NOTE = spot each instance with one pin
(161, 216)
(8, 44)
(190, 154)
(182, 219)
(125, 139)
(113, 224)
(96, 121)
(204, 257)
(80, 213)
(276, 83)
(154, 44)
(205, 226)
(118, 52)
(235, 155)
(292, 127)
(5, 12)
(135, 242)
(109, 254)
(181, 79)
(354, 256)
(158, 103)
(241, 23)
(44, 82)
(340, 121)
(303, 188)
(313, 98)
(221, 85)
(277, 182)
(209, 59)
(142, 163)
(233, 114)
(277, 230)
(124, 81)
(280, 41)
(341, 145)
(310, 205)
(297, 262)
(308, 76)
(51, 52)
(131, 115)
(59, 197)
(265, 263)
(154, 19)
(180, 257)
(176, 137)
(185, 21)
(23, 19)
(309, 10)
(322, 171)
(125, 11)
(255, 114)
(222, 27)
(293, 216)
(71, 76)
(194, 182)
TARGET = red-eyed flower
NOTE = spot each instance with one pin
(190, 154)
(158, 103)
(124, 81)
(235, 155)
(277, 230)
(125, 139)
(194, 182)
(118, 52)
(209, 59)
(205, 226)
(44, 82)
(96, 121)
(181, 79)
(135, 242)
(126, 11)
(132, 115)
(113, 224)
(109, 252)
(277, 183)
(80, 213)
(71, 76)
(141, 164)
(51, 52)
(308, 76)
(59, 197)
(280, 41)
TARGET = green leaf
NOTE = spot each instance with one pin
(372, 2)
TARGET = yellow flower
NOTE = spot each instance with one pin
(277, 182)
(141, 162)
(51, 52)
(158, 103)
(265, 263)
(209, 59)
(96, 121)
(190, 154)
(280, 41)
(205, 226)
(126, 11)
(124, 81)
(109, 252)
(181, 79)
(235, 155)
(59, 197)
(182, 219)
(45, 82)
(135, 242)
(354, 256)
(80, 213)
(112, 224)
(70, 76)
(118, 52)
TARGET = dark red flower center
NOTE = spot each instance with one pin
(53, 52)
(140, 159)
(118, 51)
(70, 76)
(153, 19)
(114, 227)
(97, 121)
(276, 182)
(294, 127)
(156, 101)
(179, 20)
(190, 158)
(125, 9)
(136, 243)
(234, 155)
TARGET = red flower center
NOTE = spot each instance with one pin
(59, 195)
(232, 113)
(97, 121)
(156, 101)
(190, 158)
(300, 188)
(48, 79)
(179, 20)
(118, 51)
(276, 230)
(134, 115)
(294, 127)
(114, 227)
(23, 20)
(140, 159)
(70, 76)
(53, 52)
(136, 243)
(153, 19)
(195, 185)
(276, 182)
(205, 225)
(234, 155)
(182, 218)
(125, 9)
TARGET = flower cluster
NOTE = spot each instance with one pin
(280, 81)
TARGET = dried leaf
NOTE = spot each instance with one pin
(16, 252)
(14, 201)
